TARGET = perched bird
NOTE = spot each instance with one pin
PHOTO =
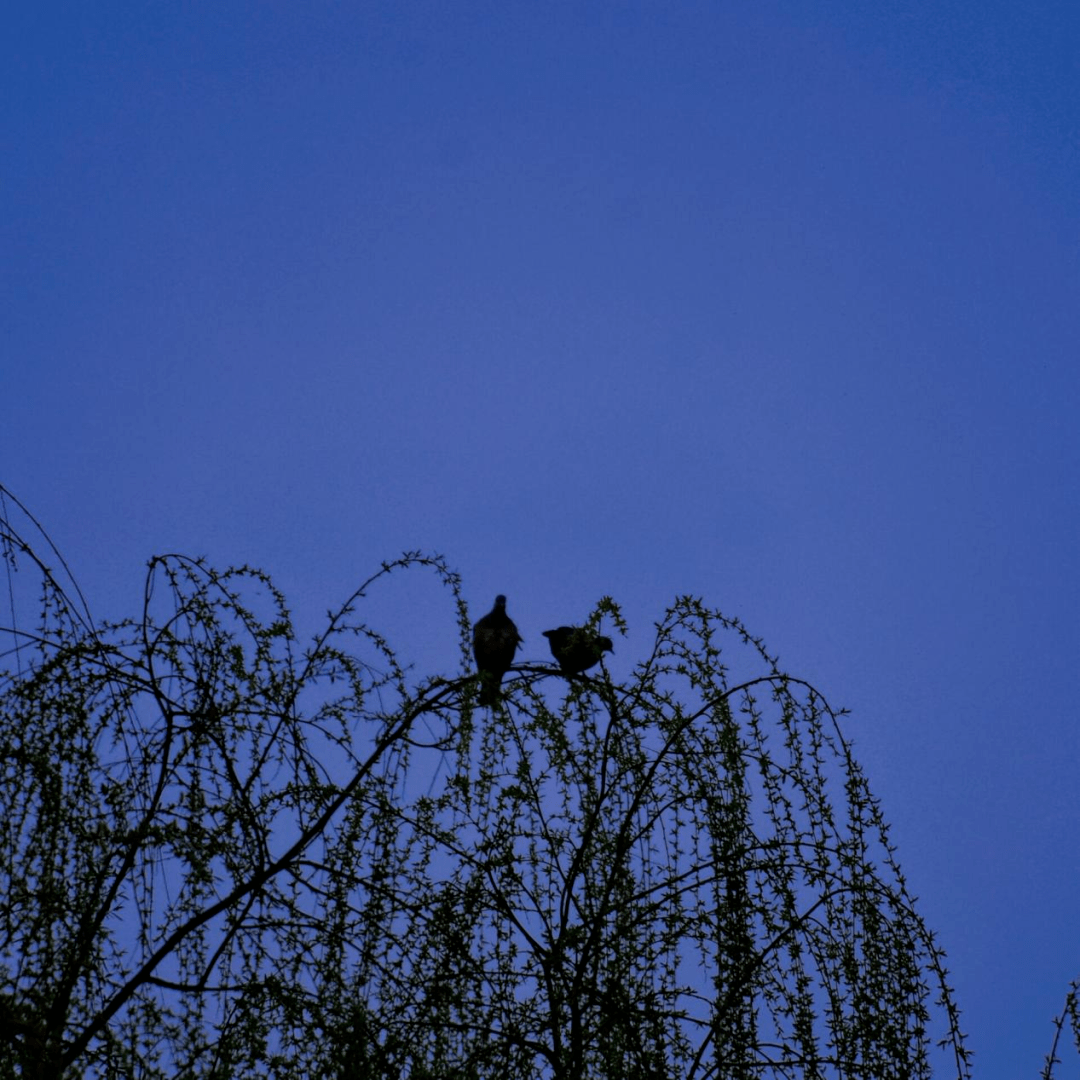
(576, 648)
(495, 640)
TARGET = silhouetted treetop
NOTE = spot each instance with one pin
(228, 852)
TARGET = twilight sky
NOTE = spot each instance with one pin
(775, 303)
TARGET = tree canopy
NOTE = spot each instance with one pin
(228, 852)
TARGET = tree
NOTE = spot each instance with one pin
(226, 854)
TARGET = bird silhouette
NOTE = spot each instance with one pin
(576, 648)
(495, 640)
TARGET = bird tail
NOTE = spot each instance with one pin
(489, 689)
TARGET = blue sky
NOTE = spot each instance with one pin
(772, 303)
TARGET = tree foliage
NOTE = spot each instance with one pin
(227, 853)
